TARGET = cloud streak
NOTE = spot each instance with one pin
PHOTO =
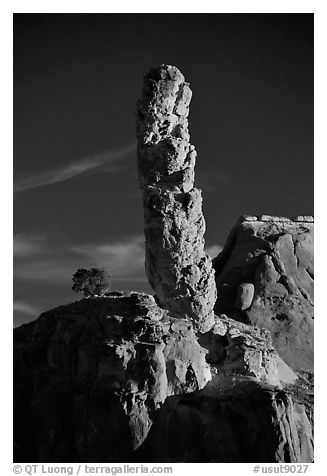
(38, 260)
(124, 259)
(27, 245)
(25, 308)
(106, 161)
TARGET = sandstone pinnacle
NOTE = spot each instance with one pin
(177, 267)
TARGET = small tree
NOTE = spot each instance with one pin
(91, 282)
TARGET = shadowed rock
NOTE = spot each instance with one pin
(90, 376)
(177, 267)
(118, 379)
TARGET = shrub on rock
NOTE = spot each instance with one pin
(91, 282)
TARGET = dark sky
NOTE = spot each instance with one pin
(77, 78)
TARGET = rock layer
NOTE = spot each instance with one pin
(90, 376)
(271, 258)
(177, 267)
(118, 379)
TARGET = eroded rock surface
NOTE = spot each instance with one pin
(177, 267)
(90, 376)
(274, 255)
(118, 379)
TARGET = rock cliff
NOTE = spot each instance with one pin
(130, 377)
(265, 277)
(177, 267)
(118, 378)
(91, 375)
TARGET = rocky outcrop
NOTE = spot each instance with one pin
(177, 267)
(264, 277)
(118, 379)
(89, 377)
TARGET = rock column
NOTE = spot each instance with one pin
(177, 267)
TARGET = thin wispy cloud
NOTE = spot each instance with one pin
(43, 270)
(25, 308)
(43, 264)
(51, 270)
(56, 264)
(38, 260)
(125, 256)
(27, 245)
(105, 161)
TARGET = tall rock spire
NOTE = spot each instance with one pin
(177, 267)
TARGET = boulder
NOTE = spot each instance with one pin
(244, 298)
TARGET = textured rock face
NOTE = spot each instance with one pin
(177, 267)
(90, 376)
(118, 379)
(265, 277)
(247, 423)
